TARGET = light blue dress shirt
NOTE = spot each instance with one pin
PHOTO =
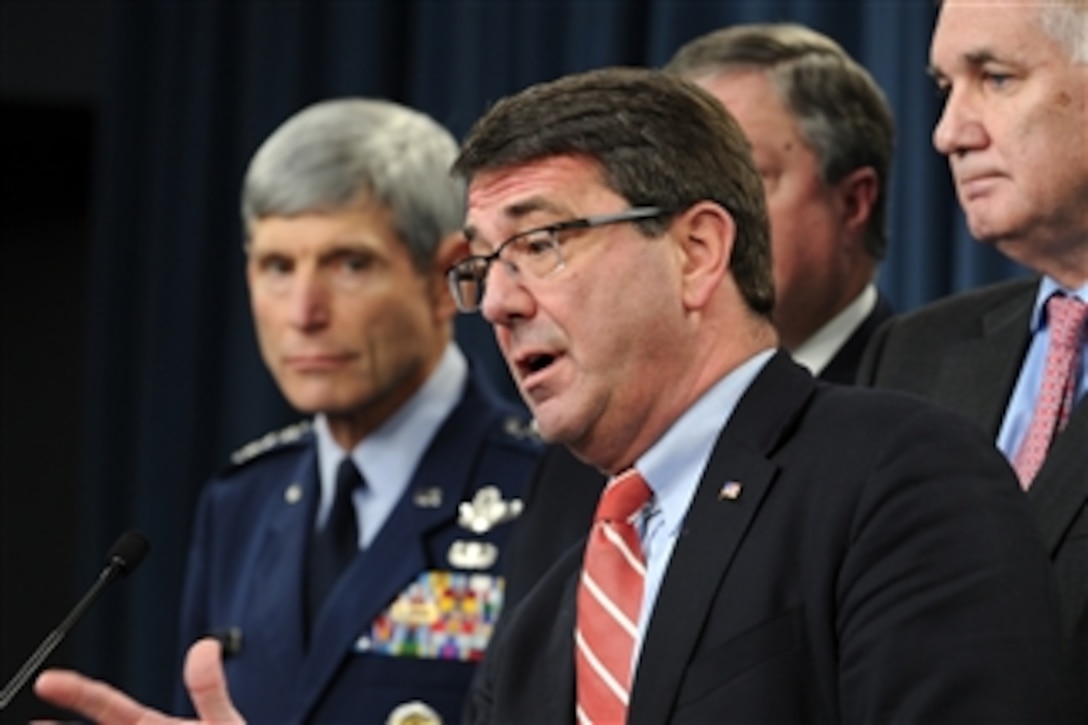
(672, 468)
(1022, 403)
(389, 456)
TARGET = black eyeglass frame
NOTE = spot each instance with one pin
(476, 267)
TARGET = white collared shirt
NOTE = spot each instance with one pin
(1021, 407)
(388, 457)
(818, 350)
(672, 468)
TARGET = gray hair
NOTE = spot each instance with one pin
(339, 153)
(1066, 21)
(841, 111)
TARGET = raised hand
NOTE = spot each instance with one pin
(102, 703)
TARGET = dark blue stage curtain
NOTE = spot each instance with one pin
(191, 88)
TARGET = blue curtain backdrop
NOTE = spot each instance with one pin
(191, 88)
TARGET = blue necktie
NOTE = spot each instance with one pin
(335, 545)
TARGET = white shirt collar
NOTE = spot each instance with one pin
(674, 464)
(1048, 287)
(389, 456)
(816, 352)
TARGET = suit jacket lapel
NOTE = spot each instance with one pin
(713, 530)
(1060, 490)
(977, 379)
(368, 587)
(977, 375)
(843, 368)
(278, 581)
(398, 555)
(559, 647)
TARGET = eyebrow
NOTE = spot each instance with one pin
(337, 247)
(516, 211)
(974, 59)
(981, 57)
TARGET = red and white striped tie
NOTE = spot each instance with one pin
(1066, 318)
(609, 600)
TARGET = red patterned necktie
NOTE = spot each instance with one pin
(609, 600)
(1066, 317)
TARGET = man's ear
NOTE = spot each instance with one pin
(452, 248)
(857, 193)
(706, 234)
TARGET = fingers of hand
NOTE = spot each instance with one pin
(94, 700)
(208, 685)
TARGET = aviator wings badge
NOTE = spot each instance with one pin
(486, 510)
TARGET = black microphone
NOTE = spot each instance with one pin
(123, 558)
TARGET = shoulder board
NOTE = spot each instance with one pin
(270, 441)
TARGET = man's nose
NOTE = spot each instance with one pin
(309, 300)
(505, 296)
(960, 126)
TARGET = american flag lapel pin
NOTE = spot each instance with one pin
(730, 491)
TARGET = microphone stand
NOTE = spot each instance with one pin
(117, 565)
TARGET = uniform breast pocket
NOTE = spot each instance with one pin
(770, 652)
(442, 615)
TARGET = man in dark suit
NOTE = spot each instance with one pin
(787, 550)
(821, 133)
(812, 553)
(1015, 131)
(351, 221)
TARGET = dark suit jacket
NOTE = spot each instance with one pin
(843, 368)
(557, 516)
(965, 353)
(879, 565)
(246, 572)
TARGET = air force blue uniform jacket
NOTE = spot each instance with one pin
(402, 629)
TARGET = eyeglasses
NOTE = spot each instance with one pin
(535, 253)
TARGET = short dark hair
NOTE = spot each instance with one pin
(841, 111)
(659, 140)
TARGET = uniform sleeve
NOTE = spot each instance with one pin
(193, 623)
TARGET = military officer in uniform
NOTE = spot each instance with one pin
(349, 563)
